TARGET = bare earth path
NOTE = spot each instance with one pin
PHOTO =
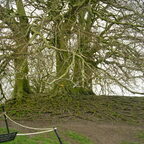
(99, 132)
(104, 132)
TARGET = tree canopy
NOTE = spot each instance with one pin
(65, 47)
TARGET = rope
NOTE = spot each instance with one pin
(35, 133)
(32, 128)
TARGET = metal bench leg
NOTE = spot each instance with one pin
(5, 120)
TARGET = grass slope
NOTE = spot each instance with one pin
(90, 107)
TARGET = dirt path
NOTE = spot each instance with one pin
(104, 132)
(98, 132)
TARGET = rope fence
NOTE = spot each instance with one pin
(27, 127)
(11, 136)
(40, 130)
(35, 133)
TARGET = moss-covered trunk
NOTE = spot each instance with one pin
(21, 87)
(82, 72)
(75, 79)
(62, 65)
(21, 34)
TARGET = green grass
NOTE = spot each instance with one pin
(130, 143)
(140, 139)
(79, 138)
(50, 138)
(141, 135)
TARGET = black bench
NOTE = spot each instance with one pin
(7, 137)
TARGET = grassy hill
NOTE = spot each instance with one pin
(89, 107)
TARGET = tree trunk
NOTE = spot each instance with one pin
(22, 87)
(73, 80)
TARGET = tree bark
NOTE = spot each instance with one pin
(22, 87)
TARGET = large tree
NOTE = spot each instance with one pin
(72, 44)
(16, 22)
